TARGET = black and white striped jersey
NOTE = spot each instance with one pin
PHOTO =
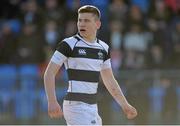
(83, 62)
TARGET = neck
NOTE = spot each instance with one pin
(90, 39)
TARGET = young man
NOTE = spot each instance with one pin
(85, 58)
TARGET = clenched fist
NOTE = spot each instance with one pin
(129, 111)
(54, 110)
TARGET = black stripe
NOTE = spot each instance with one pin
(87, 98)
(91, 53)
(108, 55)
(83, 75)
(77, 38)
(64, 48)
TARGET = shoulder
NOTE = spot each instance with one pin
(66, 46)
(104, 45)
(71, 41)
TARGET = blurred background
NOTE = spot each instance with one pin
(144, 36)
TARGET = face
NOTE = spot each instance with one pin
(88, 25)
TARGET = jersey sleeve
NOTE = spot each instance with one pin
(64, 48)
(107, 61)
(63, 51)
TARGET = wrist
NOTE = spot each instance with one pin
(52, 100)
(124, 103)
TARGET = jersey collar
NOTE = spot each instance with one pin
(81, 38)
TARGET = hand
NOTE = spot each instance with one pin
(129, 111)
(54, 110)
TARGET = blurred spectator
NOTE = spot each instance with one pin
(55, 12)
(51, 34)
(173, 4)
(161, 41)
(70, 28)
(135, 46)
(116, 61)
(118, 10)
(155, 57)
(176, 43)
(116, 34)
(72, 6)
(142, 4)
(31, 13)
(30, 48)
(159, 11)
(8, 44)
(135, 17)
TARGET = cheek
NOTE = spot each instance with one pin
(93, 27)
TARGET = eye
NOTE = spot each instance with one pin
(86, 20)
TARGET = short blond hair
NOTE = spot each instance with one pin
(90, 9)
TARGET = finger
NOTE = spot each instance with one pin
(134, 112)
(57, 114)
(52, 114)
(131, 114)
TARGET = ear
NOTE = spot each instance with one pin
(98, 24)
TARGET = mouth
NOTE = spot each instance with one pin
(82, 30)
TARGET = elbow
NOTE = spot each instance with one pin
(48, 74)
(45, 76)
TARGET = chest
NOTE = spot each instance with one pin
(87, 58)
(89, 53)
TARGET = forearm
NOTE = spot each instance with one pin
(49, 84)
(115, 90)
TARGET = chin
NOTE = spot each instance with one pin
(82, 34)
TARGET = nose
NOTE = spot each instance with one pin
(81, 24)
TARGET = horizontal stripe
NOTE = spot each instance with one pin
(82, 75)
(91, 53)
(83, 87)
(58, 58)
(85, 64)
(64, 48)
(83, 44)
(87, 98)
(106, 64)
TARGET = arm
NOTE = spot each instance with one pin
(54, 109)
(115, 90)
(49, 81)
(61, 54)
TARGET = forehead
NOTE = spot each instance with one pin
(86, 16)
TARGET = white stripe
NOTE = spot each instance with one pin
(106, 64)
(58, 58)
(94, 46)
(82, 87)
(85, 64)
